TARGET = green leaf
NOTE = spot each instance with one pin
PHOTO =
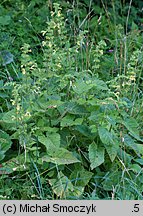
(77, 192)
(1, 84)
(3, 95)
(130, 143)
(61, 185)
(81, 87)
(136, 168)
(99, 84)
(110, 141)
(139, 160)
(51, 141)
(70, 121)
(112, 180)
(15, 162)
(78, 110)
(93, 128)
(60, 156)
(5, 143)
(8, 116)
(134, 26)
(72, 108)
(96, 155)
(132, 126)
(6, 57)
(84, 130)
(80, 177)
(5, 20)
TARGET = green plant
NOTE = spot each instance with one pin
(70, 130)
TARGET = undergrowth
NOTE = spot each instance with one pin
(71, 110)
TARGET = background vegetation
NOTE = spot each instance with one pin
(71, 99)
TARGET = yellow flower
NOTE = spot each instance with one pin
(23, 71)
(18, 107)
(27, 114)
